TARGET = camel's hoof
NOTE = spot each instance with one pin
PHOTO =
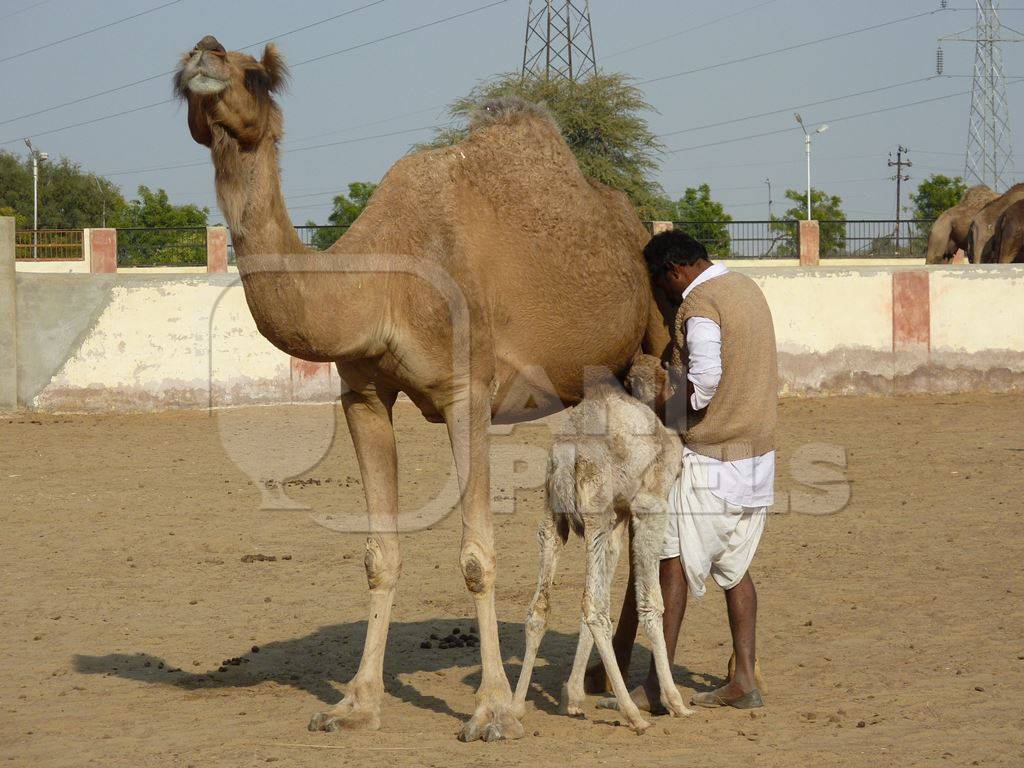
(639, 726)
(342, 718)
(492, 725)
(675, 706)
(570, 704)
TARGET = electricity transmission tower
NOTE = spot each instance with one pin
(559, 40)
(989, 138)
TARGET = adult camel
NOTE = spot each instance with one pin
(983, 227)
(950, 230)
(1007, 244)
(502, 229)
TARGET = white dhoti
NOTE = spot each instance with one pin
(712, 536)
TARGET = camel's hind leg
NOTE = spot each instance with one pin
(368, 413)
(648, 517)
(596, 609)
(537, 616)
(573, 694)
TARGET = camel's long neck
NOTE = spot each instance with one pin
(249, 194)
(301, 301)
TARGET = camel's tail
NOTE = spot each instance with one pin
(562, 491)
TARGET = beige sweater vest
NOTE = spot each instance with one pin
(740, 421)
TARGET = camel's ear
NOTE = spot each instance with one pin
(277, 71)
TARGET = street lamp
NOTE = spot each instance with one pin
(36, 157)
(769, 183)
(807, 145)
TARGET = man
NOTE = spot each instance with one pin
(724, 344)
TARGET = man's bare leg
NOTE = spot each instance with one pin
(741, 602)
(741, 691)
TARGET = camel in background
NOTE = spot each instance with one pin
(546, 263)
(950, 231)
(983, 227)
(1007, 244)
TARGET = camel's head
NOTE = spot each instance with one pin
(229, 94)
(647, 381)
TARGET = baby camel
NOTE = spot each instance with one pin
(614, 468)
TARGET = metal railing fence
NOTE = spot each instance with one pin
(780, 239)
(161, 247)
(48, 244)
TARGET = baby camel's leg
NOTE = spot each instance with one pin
(648, 537)
(537, 616)
(596, 608)
(573, 695)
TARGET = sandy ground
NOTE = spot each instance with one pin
(891, 631)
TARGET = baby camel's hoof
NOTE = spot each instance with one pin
(569, 704)
(675, 706)
(351, 719)
(495, 725)
(639, 726)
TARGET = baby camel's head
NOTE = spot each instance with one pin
(646, 380)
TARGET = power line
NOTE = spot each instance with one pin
(797, 106)
(168, 73)
(833, 120)
(22, 10)
(795, 47)
(705, 25)
(88, 31)
(403, 32)
(307, 61)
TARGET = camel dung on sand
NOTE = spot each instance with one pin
(497, 247)
(950, 231)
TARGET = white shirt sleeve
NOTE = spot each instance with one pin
(704, 344)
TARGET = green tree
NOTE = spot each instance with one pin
(826, 209)
(69, 198)
(154, 209)
(346, 210)
(155, 232)
(602, 120)
(701, 217)
(20, 222)
(936, 194)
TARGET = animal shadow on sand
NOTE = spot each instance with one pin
(318, 663)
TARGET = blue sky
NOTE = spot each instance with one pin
(400, 85)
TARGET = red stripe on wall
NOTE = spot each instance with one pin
(911, 310)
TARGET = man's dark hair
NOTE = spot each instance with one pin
(668, 248)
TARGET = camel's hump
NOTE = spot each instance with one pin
(508, 110)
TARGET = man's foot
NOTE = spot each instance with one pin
(643, 699)
(595, 681)
(729, 695)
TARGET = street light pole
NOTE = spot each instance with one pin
(807, 147)
(769, 183)
(36, 157)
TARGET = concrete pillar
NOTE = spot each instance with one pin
(216, 249)
(810, 244)
(8, 317)
(657, 227)
(311, 382)
(102, 250)
(911, 329)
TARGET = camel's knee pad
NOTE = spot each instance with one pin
(477, 568)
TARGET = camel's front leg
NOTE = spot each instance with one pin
(468, 419)
(368, 413)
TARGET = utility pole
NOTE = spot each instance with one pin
(899, 164)
(807, 145)
(770, 201)
(559, 40)
(36, 157)
(989, 136)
